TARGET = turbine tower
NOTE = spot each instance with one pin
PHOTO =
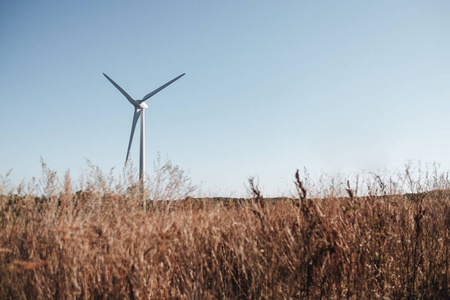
(139, 108)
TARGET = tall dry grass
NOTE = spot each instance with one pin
(361, 239)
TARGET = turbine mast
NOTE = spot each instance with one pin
(142, 154)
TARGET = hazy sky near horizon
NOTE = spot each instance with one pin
(270, 86)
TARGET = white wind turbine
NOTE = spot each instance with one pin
(139, 108)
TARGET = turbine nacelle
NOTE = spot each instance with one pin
(141, 105)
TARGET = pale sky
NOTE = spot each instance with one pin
(270, 86)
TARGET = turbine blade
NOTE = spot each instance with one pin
(121, 90)
(162, 87)
(137, 114)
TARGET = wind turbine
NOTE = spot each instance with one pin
(139, 108)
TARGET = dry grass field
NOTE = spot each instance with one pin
(104, 242)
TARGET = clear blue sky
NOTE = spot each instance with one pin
(270, 86)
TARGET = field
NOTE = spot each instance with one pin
(368, 238)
